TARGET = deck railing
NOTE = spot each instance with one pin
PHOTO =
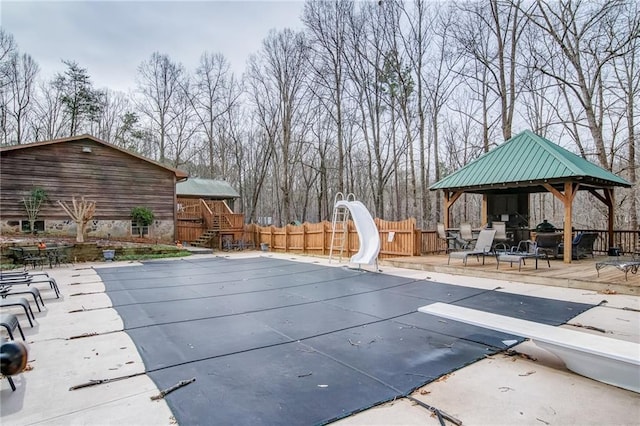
(627, 241)
(196, 216)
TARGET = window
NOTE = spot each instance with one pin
(38, 225)
(139, 231)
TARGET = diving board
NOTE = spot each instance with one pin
(611, 361)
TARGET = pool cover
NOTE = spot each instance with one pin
(281, 342)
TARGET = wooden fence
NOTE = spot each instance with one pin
(396, 238)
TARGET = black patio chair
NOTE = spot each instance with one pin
(548, 242)
(582, 245)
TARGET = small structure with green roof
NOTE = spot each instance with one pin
(528, 163)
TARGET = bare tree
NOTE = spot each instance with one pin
(21, 75)
(626, 69)
(159, 82)
(491, 36)
(581, 33)
(416, 42)
(115, 118)
(367, 47)
(180, 137)
(327, 23)
(278, 77)
(8, 49)
(50, 121)
(81, 212)
(215, 93)
(440, 82)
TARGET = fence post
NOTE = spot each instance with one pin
(304, 238)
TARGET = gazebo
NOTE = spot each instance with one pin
(526, 164)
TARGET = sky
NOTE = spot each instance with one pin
(112, 38)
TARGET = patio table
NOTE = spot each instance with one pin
(624, 265)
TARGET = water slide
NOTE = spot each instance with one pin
(367, 232)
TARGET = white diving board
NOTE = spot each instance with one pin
(611, 361)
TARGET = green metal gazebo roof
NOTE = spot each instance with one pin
(206, 188)
(524, 163)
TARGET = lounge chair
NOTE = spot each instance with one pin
(30, 279)
(483, 247)
(6, 290)
(526, 250)
(10, 323)
(19, 301)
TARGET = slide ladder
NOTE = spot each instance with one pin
(340, 225)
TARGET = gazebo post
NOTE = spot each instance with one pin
(449, 199)
(568, 225)
(608, 192)
(567, 200)
(447, 210)
(484, 209)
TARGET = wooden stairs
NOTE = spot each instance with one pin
(206, 237)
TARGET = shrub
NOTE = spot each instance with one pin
(142, 216)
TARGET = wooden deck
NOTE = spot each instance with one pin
(580, 274)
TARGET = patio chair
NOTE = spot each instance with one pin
(447, 237)
(26, 258)
(582, 245)
(466, 235)
(6, 290)
(28, 280)
(526, 249)
(23, 303)
(501, 234)
(548, 242)
(483, 247)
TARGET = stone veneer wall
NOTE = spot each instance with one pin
(161, 230)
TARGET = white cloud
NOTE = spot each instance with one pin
(111, 38)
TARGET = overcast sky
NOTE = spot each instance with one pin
(111, 38)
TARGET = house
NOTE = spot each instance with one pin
(84, 166)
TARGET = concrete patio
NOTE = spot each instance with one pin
(79, 338)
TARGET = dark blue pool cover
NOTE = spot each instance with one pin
(281, 342)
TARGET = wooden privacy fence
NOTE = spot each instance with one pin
(396, 238)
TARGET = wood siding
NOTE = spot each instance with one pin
(116, 181)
